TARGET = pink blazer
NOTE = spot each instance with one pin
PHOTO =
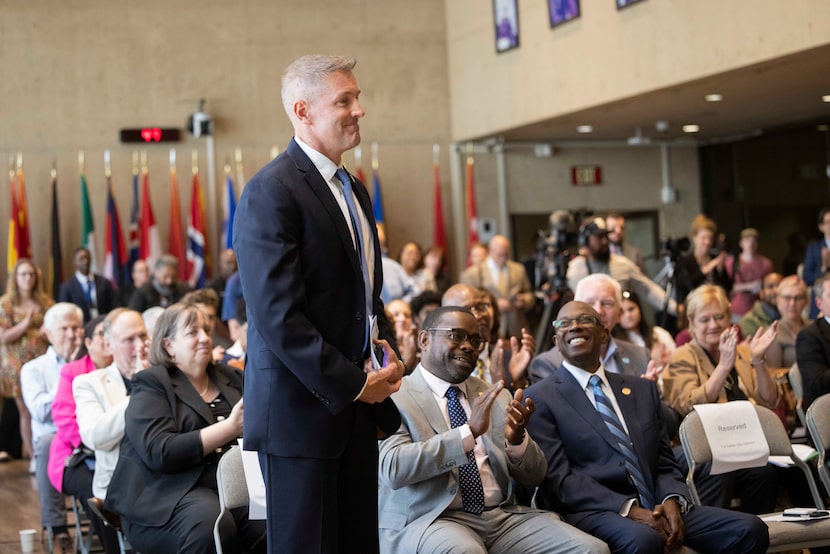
(67, 437)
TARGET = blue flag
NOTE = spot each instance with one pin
(377, 200)
(228, 212)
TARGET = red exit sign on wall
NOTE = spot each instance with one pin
(586, 175)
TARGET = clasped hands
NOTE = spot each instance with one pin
(517, 414)
(666, 519)
(383, 382)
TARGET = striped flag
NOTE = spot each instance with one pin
(229, 211)
(472, 214)
(25, 242)
(115, 252)
(56, 254)
(134, 233)
(377, 200)
(13, 252)
(176, 245)
(149, 247)
(196, 237)
(88, 225)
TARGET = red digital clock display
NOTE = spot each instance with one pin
(149, 135)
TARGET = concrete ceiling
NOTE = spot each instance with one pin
(780, 93)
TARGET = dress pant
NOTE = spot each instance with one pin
(52, 502)
(77, 481)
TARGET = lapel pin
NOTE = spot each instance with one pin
(626, 360)
(626, 391)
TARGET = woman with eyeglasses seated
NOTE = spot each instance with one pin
(634, 328)
(790, 299)
(711, 369)
(185, 412)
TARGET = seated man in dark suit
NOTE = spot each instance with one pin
(445, 474)
(164, 289)
(93, 293)
(611, 472)
(812, 346)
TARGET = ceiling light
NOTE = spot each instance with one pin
(585, 129)
(713, 97)
(825, 98)
(691, 128)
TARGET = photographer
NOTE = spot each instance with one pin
(704, 264)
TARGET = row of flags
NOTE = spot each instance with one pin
(143, 241)
(189, 246)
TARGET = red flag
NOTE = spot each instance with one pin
(176, 247)
(197, 237)
(472, 215)
(24, 242)
(13, 252)
(149, 247)
(439, 237)
(360, 175)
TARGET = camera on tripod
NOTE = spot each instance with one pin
(673, 248)
(553, 248)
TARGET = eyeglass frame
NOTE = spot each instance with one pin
(466, 337)
(586, 320)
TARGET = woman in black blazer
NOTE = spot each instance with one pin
(184, 413)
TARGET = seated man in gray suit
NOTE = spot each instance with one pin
(445, 474)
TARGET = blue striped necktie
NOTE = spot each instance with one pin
(469, 479)
(615, 426)
(354, 216)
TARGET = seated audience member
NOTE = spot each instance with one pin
(706, 263)
(435, 263)
(235, 355)
(444, 474)
(746, 271)
(140, 274)
(817, 258)
(422, 304)
(765, 309)
(611, 472)
(500, 361)
(227, 267)
(208, 301)
(399, 313)
(39, 380)
(184, 413)
(102, 396)
(597, 258)
(712, 369)
(233, 294)
(412, 261)
(150, 316)
(477, 253)
(812, 346)
(508, 282)
(634, 328)
(71, 461)
(790, 299)
(93, 293)
(163, 289)
(396, 283)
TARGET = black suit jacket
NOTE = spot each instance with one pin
(306, 314)
(585, 470)
(146, 296)
(812, 352)
(161, 454)
(72, 291)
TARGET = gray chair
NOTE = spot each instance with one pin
(233, 489)
(783, 535)
(794, 376)
(818, 425)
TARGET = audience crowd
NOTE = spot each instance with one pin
(128, 398)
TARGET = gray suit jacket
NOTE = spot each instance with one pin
(631, 358)
(418, 469)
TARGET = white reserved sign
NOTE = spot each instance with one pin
(735, 435)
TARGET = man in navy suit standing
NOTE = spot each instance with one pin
(310, 266)
(611, 472)
(94, 294)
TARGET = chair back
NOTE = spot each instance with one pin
(818, 425)
(794, 375)
(697, 451)
(230, 480)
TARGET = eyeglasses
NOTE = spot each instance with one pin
(460, 336)
(582, 320)
(786, 298)
(480, 307)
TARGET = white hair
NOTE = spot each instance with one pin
(595, 279)
(58, 312)
(303, 79)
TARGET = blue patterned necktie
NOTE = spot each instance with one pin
(472, 491)
(615, 426)
(348, 193)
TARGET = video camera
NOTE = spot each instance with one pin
(673, 248)
(553, 248)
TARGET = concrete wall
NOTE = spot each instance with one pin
(77, 71)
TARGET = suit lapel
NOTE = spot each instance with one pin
(425, 400)
(574, 395)
(626, 400)
(188, 395)
(824, 330)
(323, 193)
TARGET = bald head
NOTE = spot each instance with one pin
(499, 250)
(476, 301)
